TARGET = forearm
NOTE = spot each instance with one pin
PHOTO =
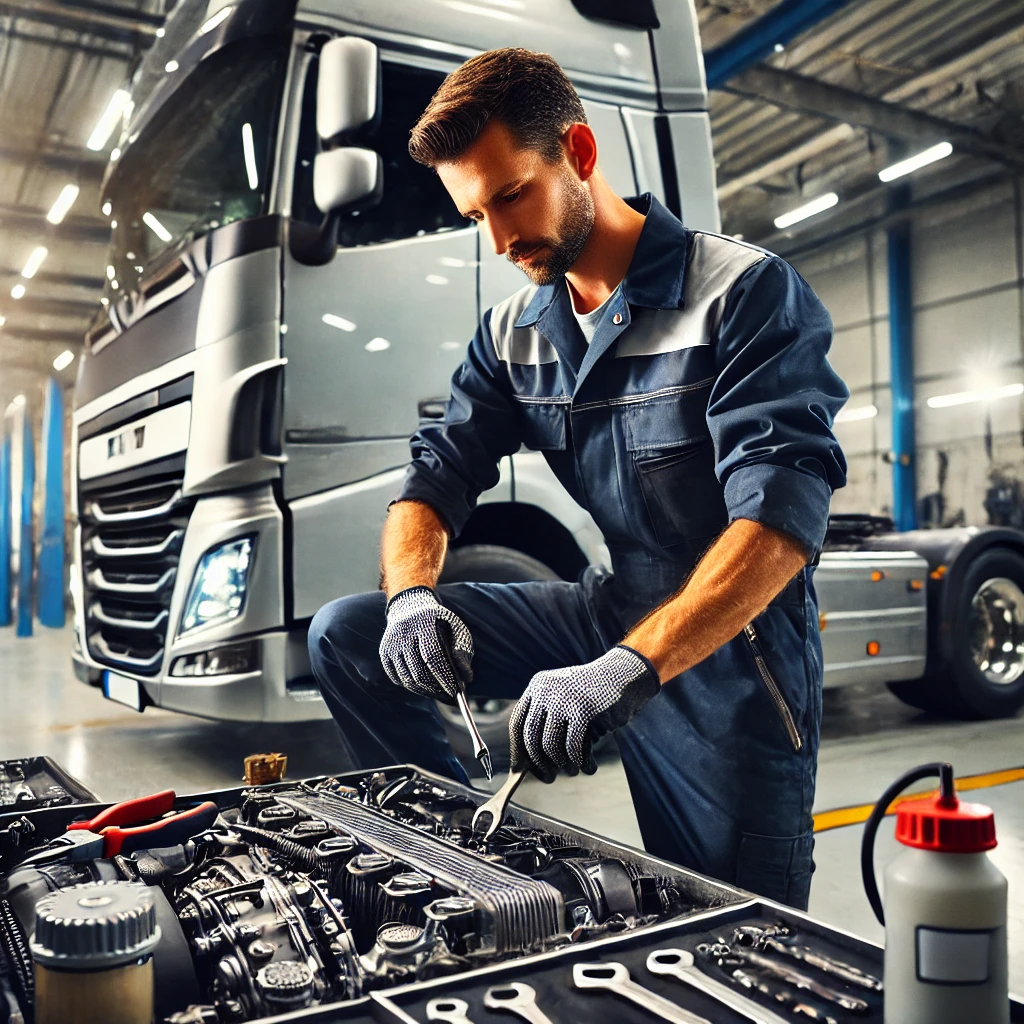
(413, 547)
(736, 580)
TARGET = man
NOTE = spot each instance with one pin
(677, 384)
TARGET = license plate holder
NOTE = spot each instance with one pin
(122, 689)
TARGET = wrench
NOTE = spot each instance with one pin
(495, 807)
(518, 998)
(615, 978)
(452, 1011)
(678, 964)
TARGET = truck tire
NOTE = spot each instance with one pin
(487, 563)
(985, 676)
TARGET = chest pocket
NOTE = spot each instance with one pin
(542, 425)
(674, 462)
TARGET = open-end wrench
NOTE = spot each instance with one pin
(452, 1011)
(494, 809)
(679, 964)
(518, 998)
(614, 978)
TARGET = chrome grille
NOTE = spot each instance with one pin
(131, 539)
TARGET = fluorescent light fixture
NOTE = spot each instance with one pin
(860, 412)
(18, 401)
(3, 320)
(452, 261)
(981, 395)
(450, 346)
(66, 358)
(778, 47)
(34, 261)
(107, 208)
(114, 285)
(249, 149)
(436, 279)
(819, 205)
(171, 66)
(18, 291)
(218, 19)
(108, 122)
(111, 273)
(913, 163)
(64, 202)
(464, 8)
(332, 320)
(115, 154)
(377, 345)
(161, 32)
(156, 227)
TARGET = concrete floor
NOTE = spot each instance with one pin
(868, 738)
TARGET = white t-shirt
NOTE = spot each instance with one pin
(589, 321)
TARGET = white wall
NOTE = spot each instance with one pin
(968, 333)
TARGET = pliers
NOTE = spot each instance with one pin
(129, 826)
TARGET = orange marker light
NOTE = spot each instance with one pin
(938, 573)
(877, 576)
(822, 622)
(874, 647)
(915, 584)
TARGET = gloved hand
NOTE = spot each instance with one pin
(425, 645)
(563, 711)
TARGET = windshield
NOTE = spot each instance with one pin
(202, 162)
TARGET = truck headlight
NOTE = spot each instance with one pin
(218, 588)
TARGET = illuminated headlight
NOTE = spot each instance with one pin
(223, 661)
(218, 588)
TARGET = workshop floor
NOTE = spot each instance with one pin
(868, 739)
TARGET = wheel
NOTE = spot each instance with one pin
(487, 563)
(985, 676)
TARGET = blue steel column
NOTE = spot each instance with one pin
(5, 527)
(26, 548)
(901, 374)
(51, 543)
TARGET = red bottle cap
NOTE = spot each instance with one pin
(946, 825)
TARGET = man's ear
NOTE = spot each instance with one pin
(581, 149)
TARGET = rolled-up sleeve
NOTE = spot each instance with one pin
(774, 402)
(456, 458)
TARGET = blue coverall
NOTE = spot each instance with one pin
(705, 396)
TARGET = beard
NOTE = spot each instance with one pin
(564, 249)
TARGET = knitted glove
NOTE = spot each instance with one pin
(425, 645)
(562, 711)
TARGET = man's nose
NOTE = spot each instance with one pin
(500, 234)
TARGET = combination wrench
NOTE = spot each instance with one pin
(451, 1011)
(494, 809)
(518, 998)
(614, 978)
(679, 964)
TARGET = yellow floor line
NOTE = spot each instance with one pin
(842, 816)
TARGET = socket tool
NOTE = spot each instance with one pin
(494, 809)
(452, 1011)
(480, 751)
(679, 964)
(614, 977)
(518, 998)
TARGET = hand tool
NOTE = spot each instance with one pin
(679, 964)
(778, 939)
(614, 977)
(480, 751)
(518, 998)
(452, 1011)
(496, 806)
(804, 1009)
(118, 829)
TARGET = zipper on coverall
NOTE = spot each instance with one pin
(772, 687)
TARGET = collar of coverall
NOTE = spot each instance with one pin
(655, 275)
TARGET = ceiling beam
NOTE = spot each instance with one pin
(67, 280)
(72, 229)
(95, 19)
(78, 163)
(806, 95)
(46, 306)
(74, 43)
(40, 334)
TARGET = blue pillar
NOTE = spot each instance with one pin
(51, 542)
(901, 373)
(26, 548)
(5, 527)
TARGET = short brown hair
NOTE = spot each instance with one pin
(528, 92)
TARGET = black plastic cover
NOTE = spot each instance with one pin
(635, 13)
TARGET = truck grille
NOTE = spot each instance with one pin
(131, 541)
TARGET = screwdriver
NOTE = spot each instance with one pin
(480, 751)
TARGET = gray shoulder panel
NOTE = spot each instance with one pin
(513, 344)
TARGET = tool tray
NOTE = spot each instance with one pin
(32, 783)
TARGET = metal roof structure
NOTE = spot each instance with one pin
(853, 86)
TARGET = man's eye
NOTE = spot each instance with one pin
(512, 196)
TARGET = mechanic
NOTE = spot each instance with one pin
(677, 383)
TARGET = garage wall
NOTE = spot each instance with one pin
(968, 334)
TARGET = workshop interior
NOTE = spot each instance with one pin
(753, 387)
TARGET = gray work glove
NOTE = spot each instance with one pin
(425, 645)
(563, 711)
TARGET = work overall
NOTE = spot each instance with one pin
(704, 396)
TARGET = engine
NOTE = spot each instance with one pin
(311, 894)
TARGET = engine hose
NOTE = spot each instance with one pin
(309, 860)
(14, 947)
(942, 769)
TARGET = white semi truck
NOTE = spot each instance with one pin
(287, 296)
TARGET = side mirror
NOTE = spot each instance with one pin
(348, 86)
(345, 177)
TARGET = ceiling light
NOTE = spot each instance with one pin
(779, 47)
(340, 322)
(861, 412)
(450, 346)
(156, 227)
(249, 149)
(819, 205)
(161, 32)
(452, 261)
(218, 19)
(3, 320)
(377, 345)
(171, 66)
(981, 395)
(34, 261)
(115, 154)
(436, 279)
(17, 291)
(111, 273)
(107, 208)
(464, 8)
(66, 358)
(913, 163)
(108, 122)
(64, 202)
(17, 401)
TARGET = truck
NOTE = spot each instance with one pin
(287, 294)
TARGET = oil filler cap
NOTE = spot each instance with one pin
(946, 824)
(286, 984)
(95, 926)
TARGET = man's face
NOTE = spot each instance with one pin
(538, 214)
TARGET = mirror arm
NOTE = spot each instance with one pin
(314, 246)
